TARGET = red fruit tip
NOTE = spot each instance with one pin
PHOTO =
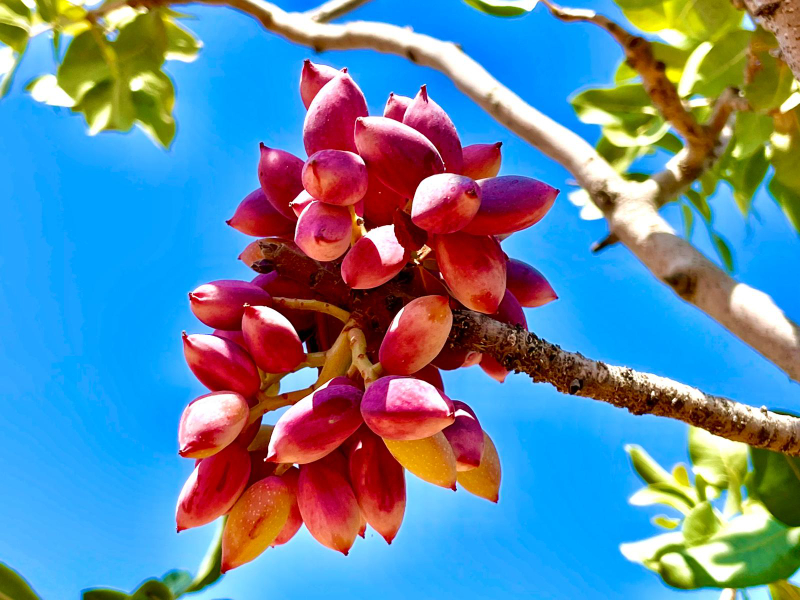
(362, 534)
(423, 90)
(262, 145)
(345, 552)
(178, 529)
(389, 539)
(224, 568)
(498, 144)
(306, 61)
(184, 335)
(344, 69)
(271, 457)
(454, 488)
(496, 499)
(228, 221)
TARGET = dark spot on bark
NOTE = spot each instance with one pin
(575, 386)
(684, 284)
(768, 9)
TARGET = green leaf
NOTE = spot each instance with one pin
(723, 250)
(153, 99)
(700, 524)
(182, 44)
(665, 522)
(45, 89)
(770, 81)
(667, 493)
(613, 106)
(141, 44)
(750, 550)
(745, 176)
(783, 590)
(788, 199)
(751, 133)
(649, 15)
(178, 581)
(645, 466)
(15, 24)
(104, 594)
(108, 106)
(153, 589)
(9, 62)
(688, 220)
(47, 9)
(631, 133)
(210, 569)
(700, 203)
(674, 59)
(84, 65)
(617, 156)
(691, 70)
(776, 483)
(722, 66)
(681, 475)
(670, 143)
(717, 460)
(706, 19)
(13, 586)
(785, 184)
(503, 8)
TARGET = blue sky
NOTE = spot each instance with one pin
(102, 237)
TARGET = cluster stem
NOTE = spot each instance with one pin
(315, 305)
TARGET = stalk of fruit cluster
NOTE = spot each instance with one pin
(358, 347)
(315, 305)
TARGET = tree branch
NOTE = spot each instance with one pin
(570, 373)
(333, 10)
(781, 18)
(629, 207)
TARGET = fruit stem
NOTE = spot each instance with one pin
(358, 226)
(270, 379)
(316, 305)
(358, 349)
(270, 403)
(338, 356)
(314, 359)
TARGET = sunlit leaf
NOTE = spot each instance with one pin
(15, 24)
(141, 44)
(750, 550)
(152, 589)
(182, 44)
(700, 524)
(646, 466)
(45, 89)
(84, 65)
(717, 460)
(153, 97)
(745, 176)
(504, 8)
(13, 586)
(666, 522)
(722, 66)
(666, 493)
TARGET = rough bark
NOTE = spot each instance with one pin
(782, 18)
